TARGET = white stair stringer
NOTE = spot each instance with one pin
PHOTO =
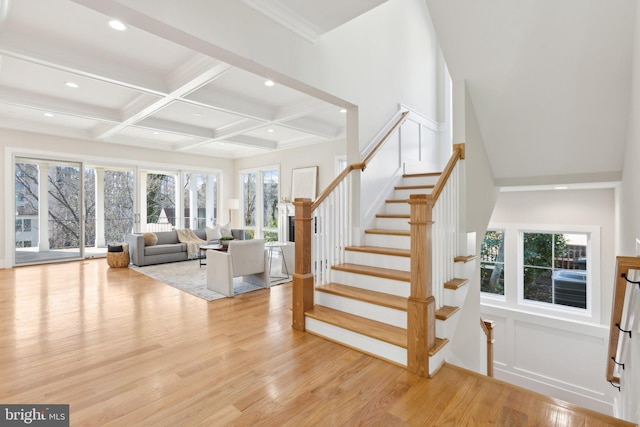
(364, 343)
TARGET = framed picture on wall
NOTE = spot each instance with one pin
(304, 182)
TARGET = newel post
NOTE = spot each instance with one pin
(302, 277)
(421, 315)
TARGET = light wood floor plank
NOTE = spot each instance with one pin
(124, 349)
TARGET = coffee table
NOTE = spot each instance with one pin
(210, 247)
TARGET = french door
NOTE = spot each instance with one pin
(48, 210)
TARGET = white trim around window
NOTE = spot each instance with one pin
(514, 283)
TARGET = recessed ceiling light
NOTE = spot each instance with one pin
(156, 133)
(343, 110)
(48, 114)
(270, 130)
(72, 85)
(198, 114)
(117, 25)
(561, 187)
(269, 83)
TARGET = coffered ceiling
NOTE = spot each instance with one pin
(64, 71)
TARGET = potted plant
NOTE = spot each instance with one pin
(224, 241)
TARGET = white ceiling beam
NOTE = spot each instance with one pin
(252, 142)
(176, 94)
(162, 125)
(44, 103)
(314, 127)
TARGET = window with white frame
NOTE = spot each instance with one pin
(492, 263)
(555, 268)
(260, 195)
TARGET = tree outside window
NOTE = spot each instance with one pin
(555, 268)
(492, 262)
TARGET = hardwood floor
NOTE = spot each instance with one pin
(125, 350)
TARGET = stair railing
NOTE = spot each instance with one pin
(487, 327)
(323, 230)
(625, 320)
(434, 244)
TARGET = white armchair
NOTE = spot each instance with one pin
(246, 258)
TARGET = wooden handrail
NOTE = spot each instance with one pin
(360, 165)
(623, 265)
(487, 327)
(384, 139)
(458, 154)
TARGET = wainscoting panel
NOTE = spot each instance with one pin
(556, 357)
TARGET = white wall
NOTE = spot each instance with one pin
(562, 358)
(478, 201)
(73, 149)
(629, 202)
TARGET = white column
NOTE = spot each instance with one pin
(193, 200)
(99, 185)
(43, 207)
(143, 202)
(211, 187)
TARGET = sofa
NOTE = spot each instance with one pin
(167, 248)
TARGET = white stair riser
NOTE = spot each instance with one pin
(393, 224)
(378, 284)
(397, 208)
(464, 270)
(406, 193)
(456, 297)
(364, 343)
(437, 359)
(359, 308)
(420, 180)
(387, 241)
(446, 328)
(378, 260)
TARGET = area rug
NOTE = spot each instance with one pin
(189, 277)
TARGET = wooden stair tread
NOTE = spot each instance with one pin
(414, 187)
(371, 328)
(365, 295)
(446, 312)
(388, 232)
(397, 201)
(380, 250)
(464, 258)
(394, 216)
(456, 283)
(386, 273)
(418, 175)
(439, 345)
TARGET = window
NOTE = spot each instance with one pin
(260, 196)
(492, 263)
(554, 268)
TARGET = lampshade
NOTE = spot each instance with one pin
(232, 204)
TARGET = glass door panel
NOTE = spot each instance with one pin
(48, 210)
(161, 212)
(200, 200)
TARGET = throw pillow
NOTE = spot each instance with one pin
(150, 239)
(213, 233)
(225, 230)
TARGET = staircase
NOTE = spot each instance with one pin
(364, 305)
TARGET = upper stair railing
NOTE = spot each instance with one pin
(330, 217)
(625, 318)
